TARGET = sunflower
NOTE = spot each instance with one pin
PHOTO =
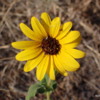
(52, 47)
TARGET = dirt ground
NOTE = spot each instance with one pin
(83, 84)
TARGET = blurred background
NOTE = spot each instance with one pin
(83, 84)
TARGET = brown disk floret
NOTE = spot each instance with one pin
(50, 45)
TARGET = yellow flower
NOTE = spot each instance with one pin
(52, 47)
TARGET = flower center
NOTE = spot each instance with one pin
(50, 45)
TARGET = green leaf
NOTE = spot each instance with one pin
(32, 91)
(42, 89)
(45, 80)
(53, 85)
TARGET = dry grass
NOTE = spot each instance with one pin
(81, 85)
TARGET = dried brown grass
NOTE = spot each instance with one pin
(80, 85)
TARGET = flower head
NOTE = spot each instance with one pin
(52, 47)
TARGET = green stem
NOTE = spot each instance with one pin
(48, 93)
(48, 96)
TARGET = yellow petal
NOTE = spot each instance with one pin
(68, 60)
(73, 44)
(25, 44)
(66, 28)
(27, 66)
(51, 70)
(37, 27)
(46, 18)
(30, 65)
(45, 21)
(70, 37)
(29, 33)
(75, 53)
(28, 54)
(55, 27)
(59, 67)
(42, 68)
(67, 25)
(64, 63)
